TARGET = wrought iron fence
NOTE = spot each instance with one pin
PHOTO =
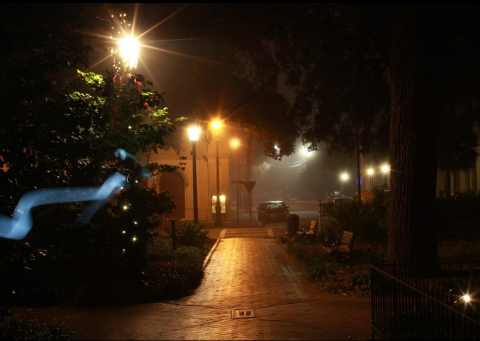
(428, 301)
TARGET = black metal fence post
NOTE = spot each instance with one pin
(174, 235)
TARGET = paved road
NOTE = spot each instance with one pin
(248, 270)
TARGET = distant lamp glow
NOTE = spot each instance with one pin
(306, 152)
(277, 148)
(129, 48)
(216, 124)
(235, 143)
(123, 232)
(370, 171)
(134, 239)
(385, 168)
(344, 176)
(135, 222)
(193, 133)
(125, 207)
(466, 298)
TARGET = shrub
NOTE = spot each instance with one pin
(190, 234)
(368, 220)
(319, 268)
(175, 277)
(459, 214)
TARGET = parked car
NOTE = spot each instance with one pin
(272, 210)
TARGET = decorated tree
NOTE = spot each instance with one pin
(62, 127)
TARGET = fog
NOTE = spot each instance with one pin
(301, 176)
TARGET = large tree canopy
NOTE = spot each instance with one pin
(406, 75)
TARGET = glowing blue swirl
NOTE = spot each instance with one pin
(21, 223)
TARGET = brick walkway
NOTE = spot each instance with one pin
(247, 270)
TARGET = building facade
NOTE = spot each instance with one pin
(180, 183)
(448, 182)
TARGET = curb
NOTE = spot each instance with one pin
(207, 259)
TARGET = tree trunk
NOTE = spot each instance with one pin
(412, 143)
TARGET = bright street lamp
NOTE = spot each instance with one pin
(129, 48)
(218, 208)
(193, 134)
(385, 169)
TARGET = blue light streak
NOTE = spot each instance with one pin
(21, 223)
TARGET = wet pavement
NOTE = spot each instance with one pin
(247, 271)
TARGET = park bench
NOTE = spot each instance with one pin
(343, 246)
(309, 231)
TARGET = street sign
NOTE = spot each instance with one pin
(249, 185)
(238, 182)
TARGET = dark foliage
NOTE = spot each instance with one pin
(459, 215)
(190, 234)
(368, 220)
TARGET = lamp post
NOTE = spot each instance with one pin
(218, 208)
(386, 170)
(344, 178)
(235, 144)
(371, 172)
(359, 186)
(193, 134)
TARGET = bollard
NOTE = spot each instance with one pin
(174, 236)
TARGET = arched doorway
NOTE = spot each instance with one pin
(173, 182)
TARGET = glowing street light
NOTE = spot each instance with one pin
(129, 48)
(385, 169)
(370, 171)
(466, 298)
(218, 208)
(193, 134)
(306, 152)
